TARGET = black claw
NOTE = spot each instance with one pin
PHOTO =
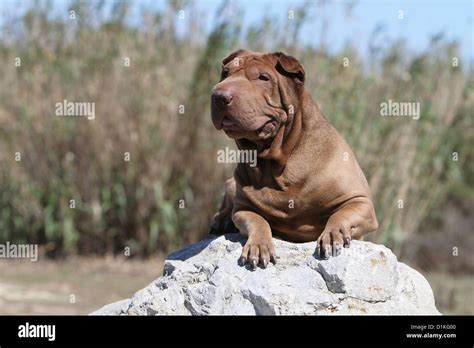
(327, 253)
(265, 263)
(242, 261)
(254, 264)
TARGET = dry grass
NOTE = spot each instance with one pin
(135, 204)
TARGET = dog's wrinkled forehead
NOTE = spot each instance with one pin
(277, 62)
(245, 61)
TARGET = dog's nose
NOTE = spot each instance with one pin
(222, 98)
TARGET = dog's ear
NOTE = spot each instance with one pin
(289, 66)
(232, 56)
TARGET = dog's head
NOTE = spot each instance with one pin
(257, 95)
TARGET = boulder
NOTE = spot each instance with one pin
(206, 279)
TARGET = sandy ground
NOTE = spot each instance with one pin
(82, 285)
(72, 286)
(454, 294)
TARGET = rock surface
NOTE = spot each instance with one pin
(205, 278)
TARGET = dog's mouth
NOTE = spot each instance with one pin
(229, 125)
(263, 128)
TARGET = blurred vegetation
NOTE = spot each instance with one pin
(175, 62)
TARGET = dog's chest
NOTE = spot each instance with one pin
(291, 201)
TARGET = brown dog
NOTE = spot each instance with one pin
(307, 184)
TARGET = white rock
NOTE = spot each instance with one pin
(206, 279)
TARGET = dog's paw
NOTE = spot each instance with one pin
(258, 250)
(332, 240)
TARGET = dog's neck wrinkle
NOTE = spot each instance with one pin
(288, 137)
(273, 154)
(280, 147)
(271, 163)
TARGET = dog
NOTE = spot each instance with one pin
(307, 184)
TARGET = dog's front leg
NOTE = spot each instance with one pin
(355, 219)
(259, 248)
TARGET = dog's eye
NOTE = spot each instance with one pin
(224, 74)
(264, 77)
